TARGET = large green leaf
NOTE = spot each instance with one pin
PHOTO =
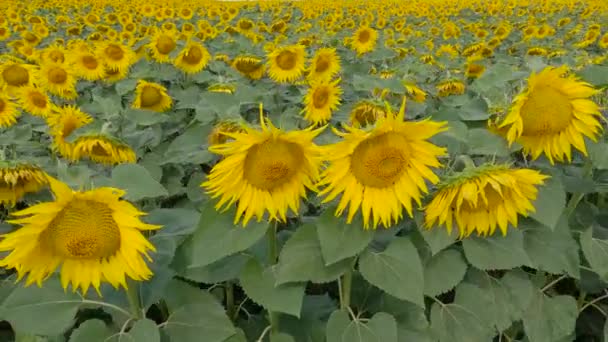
(549, 319)
(91, 330)
(260, 285)
(443, 272)
(382, 327)
(301, 259)
(397, 270)
(496, 252)
(598, 153)
(550, 203)
(137, 182)
(145, 330)
(483, 142)
(596, 252)
(456, 323)
(340, 240)
(521, 291)
(437, 238)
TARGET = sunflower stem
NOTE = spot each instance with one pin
(464, 162)
(273, 317)
(346, 281)
(134, 303)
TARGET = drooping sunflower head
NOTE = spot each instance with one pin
(162, 45)
(87, 65)
(35, 101)
(151, 96)
(322, 98)
(249, 66)
(218, 133)
(450, 87)
(382, 170)
(58, 79)
(473, 68)
(15, 75)
(553, 114)
(265, 170)
(222, 88)
(286, 64)
(17, 179)
(102, 148)
(8, 112)
(93, 236)
(62, 122)
(115, 56)
(483, 198)
(193, 58)
(364, 40)
(324, 65)
(366, 113)
(414, 92)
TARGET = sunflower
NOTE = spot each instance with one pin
(35, 101)
(364, 40)
(482, 198)
(19, 178)
(193, 58)
(220, 132)
(552, 114)
(62, 122)
(58, 79)
(103, 149)
(450, 87)
(94, 237)
(322, 98)
(265, 170)
(286, 64)
(14, 75)
(249, 66)
(162, 45)
(151, 96)
(5, 33)
(382, 170)
(8, 112)
(114, 75)
(222, 88)
(54, 53)
(473, 69)
(87, 66)
(414, 93)
(115, 56)
(365, 113)
(325, 64)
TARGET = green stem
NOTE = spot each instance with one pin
(230, 308)
(464, 162)
(345, 290)
(134, 303)
(578, 196)
(273, 317)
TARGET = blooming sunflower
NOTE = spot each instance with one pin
(552, 114)
(474, 69)
(115, 56)
(265, 170)
(87, 66)
(94, 237)
(381, 170)
(482, 198)
(14, 75)
(151, 96)
(58, 79)
(450, 87)
(193, 58)
(19, 178)
(286, 64)
(114, 75)
(365, 113)
(35, 101)
(103, 149)
(62, 122)
(364, 40)
(322, 98)
(324, 65)
(8, 112)
(249, 66)
(54, 53)
(162, 44)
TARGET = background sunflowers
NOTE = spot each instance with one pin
(336, 171)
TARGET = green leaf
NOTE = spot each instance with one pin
(382, 327)
(598, 153)
(397, 270)
(443, 272)
(217, 237)
(412, 324)
(338, 239)
(90, 331)
(301, 259)
(437, 238)
(479, 303)
(483, 142)
(595, 74)
(259, 285)
(194, 313)
(521, 291)
(606, 331)
(281, 337)
(124, 86)
(225, 269)
(456, 323)
(496, 252)
(502, 311)
(145, 330)
(137, 182)
(145, 117)
(549, 319)
(550, 203)
(596, 252)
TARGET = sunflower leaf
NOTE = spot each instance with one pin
(550, 203)
(550, 319)
(443, 272)
(596, 252)
(93, 329)
(456, 323)
(137, 182)
(496, 252)
(338, 239)
(382, 327)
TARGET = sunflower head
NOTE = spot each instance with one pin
(8, 112)
(364, 40)
(35, 101)
(249, 66)
(366, 113)
(102, 148)
(58, 79)
(18, 178)
(15, 75)
(450, 87)
(163, 43)
(115, 56)
(63, 121)
(286, 64)
(222, 88)
(222, 130)
(193, 58)
(322, 98)
(151, 96)
(325, 64)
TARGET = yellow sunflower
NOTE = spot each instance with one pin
(103, 149)
(324, 65)
(114, 75)
(19, 178)
(115, 56)
(193, 58)
(58, 79)
(249, 66)
(382, 170)
(413, 92)
(35, 101)
(265, 170)
(62, 122)
(552, 114)
(151, 96)
(94, 237)
(450, 87)
(322, 98)
(14, 75)
(482, 198)
(222, 88)
(162, 45)
(86, 65)
(474, 69)
(8, 112)
(219, 133)
(54, 53)
(366, 113)
(364, 40)
(286, 64)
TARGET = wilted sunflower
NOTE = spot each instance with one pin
(265, 170)
(413, 92)
(162, 45)
(286, 64)
(552, 114)
(103, 149)
(62, 122)
(86, 65)
(474, 69)
(151, 96)
(450, 87)
(58, 79)
(364, 40)
(324, 65)
(249, 66)
(8, 112)
(35, 101)
(19, 178)
(322, 98)
(218, 133)
(483, 198)
(94, 237)
(193, 58)
(222, 88)
(382, 170)
(115, 56)
(15, 75)
(365, 113)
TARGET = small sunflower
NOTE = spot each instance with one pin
(222, 88)
(87, 66)
(322, 98)
(103, 149)
(324, 65)
(414, 93)
(364, 40)
(162, 45)
(482, 198)
(193, 58)
(552, 114)
(35, 101)
(58, 79)
(115, 56)
(474, 69)
(365, 113)
(249, 66)
(19, 178)
(220, 132)
(54, 53)
(62, 122)
(450, 87)
(8, 112)
(265, 170)
(151, 96)
(382, 170)
(94, 237)
(114, 75)
(286, 64)
(15, 75)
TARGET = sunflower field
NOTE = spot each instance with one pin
(303, 171)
